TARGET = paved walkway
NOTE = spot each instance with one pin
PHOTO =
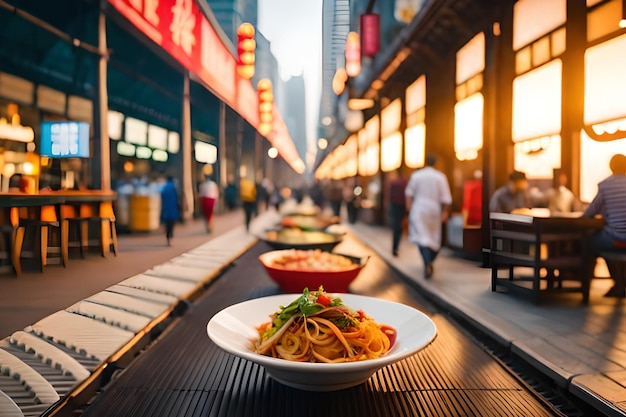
(582, 347)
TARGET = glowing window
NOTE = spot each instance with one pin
(414, 145)
(534, 18)
(538, 157)
(605, 84)
(603, 20)
(390, 118)
(537, 102)
(391, 152)
(416, 95)
(468, 126)
(594, 163)
(470, 59)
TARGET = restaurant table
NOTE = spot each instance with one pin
(30, 206)
(554, 247)
(184, 374)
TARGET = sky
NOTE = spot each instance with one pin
(294, 29)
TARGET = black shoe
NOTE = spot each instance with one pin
(428, 271)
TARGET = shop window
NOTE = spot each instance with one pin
(537, 102)
(538, 157)
(533, 19)
(559, 42)
(605, 84)
(415, 98)
(523, 62)
(541, 51)
(468, 127)
(351, 156)
(470, 59)
(603, 20)
(594, 163)
(391, 152)
(414, 146)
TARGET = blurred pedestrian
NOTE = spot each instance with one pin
(610, 202)
(208, 191)
(247, 195)
(511, 196)
(397, 207)
(170, 212)
(428, 201)
(231, 195)
(561, 199)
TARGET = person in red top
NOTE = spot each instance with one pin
(397, 207)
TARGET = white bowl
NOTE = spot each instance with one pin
(233, 330)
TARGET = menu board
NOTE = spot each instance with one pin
(64, 139)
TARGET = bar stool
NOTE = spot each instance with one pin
(12, 237)
(88, 213)
(42, 226)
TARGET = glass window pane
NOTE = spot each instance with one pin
(534, 18)
(468, 124)
(470, 59)
(536, 162)
(414, 143)
(391, 152)
(594, 163)
(541, 51)
(558, 42)
(603, 20)
(523, 61)
(537, 102)
(605, 83)
(416, 95)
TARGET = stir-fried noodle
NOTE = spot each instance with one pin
(319, 328)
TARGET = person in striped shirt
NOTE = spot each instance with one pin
(610, 202)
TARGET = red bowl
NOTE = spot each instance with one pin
(295, 280)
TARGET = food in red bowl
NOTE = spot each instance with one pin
(296, 269)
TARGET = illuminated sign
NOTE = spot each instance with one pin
(205, 152)
(157, 137)
(64, 139)
(125, 149)
(17, 133)
(136, 131)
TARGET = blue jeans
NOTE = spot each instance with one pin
(428, 255)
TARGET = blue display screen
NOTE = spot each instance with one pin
(64, 139)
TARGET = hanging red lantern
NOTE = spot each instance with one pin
(370, 34)
(245, 50)
(353, 54)
(265, 95)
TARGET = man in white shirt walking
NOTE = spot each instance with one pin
(428, 201)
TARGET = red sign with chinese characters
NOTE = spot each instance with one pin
(181, 29)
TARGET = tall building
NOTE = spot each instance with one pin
(335, 28)
(295, 112)
(232, 13)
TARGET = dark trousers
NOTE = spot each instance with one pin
(602, 241)
(249, 208)
(428, 255)
(169, 228)
(396, 215)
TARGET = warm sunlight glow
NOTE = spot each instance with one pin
(594, 163)
(534, 18)
(470, 60)
(468, 126)
(537, 102)
(605, 84)
(391, 152)
(414, 145)
(538, 157)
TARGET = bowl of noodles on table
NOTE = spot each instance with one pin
(295, 237)
(295, 269)
(319, 341)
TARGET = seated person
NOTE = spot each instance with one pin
(610, 202)
(511, 196)
(560, 198)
